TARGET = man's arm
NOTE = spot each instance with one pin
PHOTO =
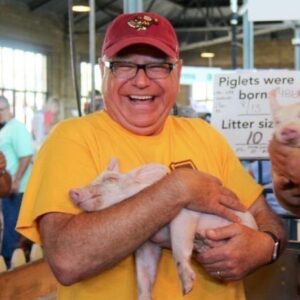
(2, 161)
(80, 246)
(23, 165)
(246, 249)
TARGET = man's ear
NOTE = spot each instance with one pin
(179, 68)
(101, 65)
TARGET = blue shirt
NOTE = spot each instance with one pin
(15, 143)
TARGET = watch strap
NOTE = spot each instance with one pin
(276, 249)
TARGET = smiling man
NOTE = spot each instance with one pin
(91, 253)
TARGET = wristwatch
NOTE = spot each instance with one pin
(276, 249)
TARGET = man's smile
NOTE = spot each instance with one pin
(141, 98)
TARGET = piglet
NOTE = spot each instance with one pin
(112, 187)
(286, 120)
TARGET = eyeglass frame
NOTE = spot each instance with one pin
(110, 64)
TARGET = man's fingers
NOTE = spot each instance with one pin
(230, 200)
(228, 214)
(213, 244)
(221, 233)
(211, 257)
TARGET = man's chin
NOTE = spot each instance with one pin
(143, 128)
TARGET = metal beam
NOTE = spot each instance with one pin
(35, 4)
(92, 50)
(203, 29)
(296, 43)
(227, 39)
(130, 6)
(248, 41)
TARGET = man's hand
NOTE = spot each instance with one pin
(285, 160)
(234, 251)
(287, 193)
(285, 175)
(2, 161)
(206, 193)
(15, 186)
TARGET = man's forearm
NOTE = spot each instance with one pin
(267, 220)
(89, 243)
(23, 165)
(83, 245)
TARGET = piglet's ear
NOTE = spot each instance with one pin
(274, 105)
(113, 165)
(150, 173)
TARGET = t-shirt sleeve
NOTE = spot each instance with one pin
(237, 178)
(64, 162)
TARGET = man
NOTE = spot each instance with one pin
(286, 175)
(16, 145)
(91, 253)
(43, 121)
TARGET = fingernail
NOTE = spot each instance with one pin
(211, 233)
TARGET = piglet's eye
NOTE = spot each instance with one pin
(110, 177)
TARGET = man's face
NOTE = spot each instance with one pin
(140, 104)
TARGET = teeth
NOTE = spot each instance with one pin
(133, 97)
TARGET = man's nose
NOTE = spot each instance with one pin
(141, 78)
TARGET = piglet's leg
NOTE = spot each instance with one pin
(146, 260)
(183, 229)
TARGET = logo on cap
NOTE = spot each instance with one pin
(142, 23)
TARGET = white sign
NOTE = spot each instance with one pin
(241, 108)
(190, 75)
(273, 10)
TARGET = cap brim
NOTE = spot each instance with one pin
(113, 50)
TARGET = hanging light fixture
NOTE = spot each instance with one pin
(81, 6)
(207, 55)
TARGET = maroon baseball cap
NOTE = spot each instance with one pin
(140, 28)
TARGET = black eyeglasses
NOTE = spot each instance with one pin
(128, 70)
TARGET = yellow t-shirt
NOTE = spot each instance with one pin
(79, 149)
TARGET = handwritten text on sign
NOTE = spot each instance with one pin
(241, 108)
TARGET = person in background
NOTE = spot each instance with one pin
(91, 253)
(98, 104)
(286, 175)
(43, 121)
(17, 146)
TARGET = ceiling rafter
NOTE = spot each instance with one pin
(195, 21)
(35, 4)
